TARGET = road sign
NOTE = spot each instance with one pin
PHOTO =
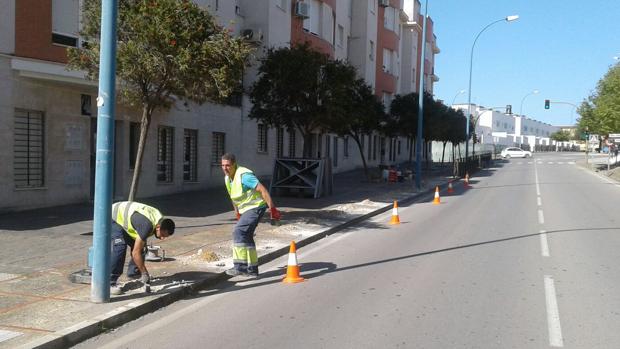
(593, 139)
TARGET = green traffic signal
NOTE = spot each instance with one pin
(547, 102)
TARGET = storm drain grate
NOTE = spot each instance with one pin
(6, 335)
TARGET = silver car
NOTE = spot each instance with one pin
(514, 152)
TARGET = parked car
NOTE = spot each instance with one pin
(514, 152)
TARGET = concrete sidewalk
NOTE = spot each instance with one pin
(40, 307)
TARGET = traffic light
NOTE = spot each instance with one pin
(547, 102)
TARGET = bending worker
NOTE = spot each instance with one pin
(132, 224)
(250, 200)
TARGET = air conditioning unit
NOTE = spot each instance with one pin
(302, 10)
(384, 3)
(252, 35)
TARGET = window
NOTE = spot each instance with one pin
(389, 61)
(350, 8)
(329, 27)
(262, 138)
(279, 142)
(340, 35)
(373, 6)
(134, 141)
(165, 151)
(190, 155)
(313, 23)
(65, 22)
(291, 143)
(389, 18)
(219, 147)
(369, 153)
(345, 147)
(28, 149)
(371, 55)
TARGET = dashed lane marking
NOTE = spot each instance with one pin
(6, 335)
(553, 315)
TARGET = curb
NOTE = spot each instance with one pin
(84, 330)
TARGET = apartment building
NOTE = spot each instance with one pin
(48, 117)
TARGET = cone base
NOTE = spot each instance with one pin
(395, 220)
(293, 280)
(437, 202)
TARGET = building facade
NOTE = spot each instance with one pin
(48, 116)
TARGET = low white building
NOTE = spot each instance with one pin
(499, 128)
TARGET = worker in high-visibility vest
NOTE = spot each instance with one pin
(132, 224)
(250, 200)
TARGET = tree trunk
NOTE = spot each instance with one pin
(443, 153)
(144, 129)
(307, 148)
(359, 146)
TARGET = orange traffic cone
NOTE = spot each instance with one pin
(466, 179)
(292, 270)
(450, 189)
(436, 200)
(395, 219)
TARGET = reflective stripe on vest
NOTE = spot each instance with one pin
(243, 200)
(122, 211)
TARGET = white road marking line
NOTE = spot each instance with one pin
(561, 163)
(5, 276)
(541, 217)
(6, 335)
(544, 244)
(571, 162)
(520, 162)
(539, 201)
(550, 162)
(553, 315)
(529, 162)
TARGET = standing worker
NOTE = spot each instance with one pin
(132, 224)
(250, 200)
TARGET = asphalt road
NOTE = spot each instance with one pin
(527, 258)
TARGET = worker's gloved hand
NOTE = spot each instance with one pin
(146, 278)
(275, 214)
(238, 215)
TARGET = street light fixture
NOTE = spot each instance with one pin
(522, 100)
(457, 94)
(471, 61)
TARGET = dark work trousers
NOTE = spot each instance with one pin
(120, 241)
(245, 258)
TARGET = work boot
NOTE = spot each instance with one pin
(116, 289)
(234, 272)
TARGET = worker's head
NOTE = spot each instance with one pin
(229, 164)
(164, 228)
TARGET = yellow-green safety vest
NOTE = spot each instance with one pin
(243, 200)
(122, 211)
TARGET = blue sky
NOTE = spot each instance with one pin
(561, 48)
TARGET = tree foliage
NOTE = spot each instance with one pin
(561, 136)
(600, 112)
(293, 90)
(166, 50)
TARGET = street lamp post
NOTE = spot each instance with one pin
(418, 143)
(457, 94)
(522, 100)
(471, 61)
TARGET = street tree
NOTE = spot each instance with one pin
(167, 51)
(355, 112)
(600, 112)
(293, 90)
(561, 136)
